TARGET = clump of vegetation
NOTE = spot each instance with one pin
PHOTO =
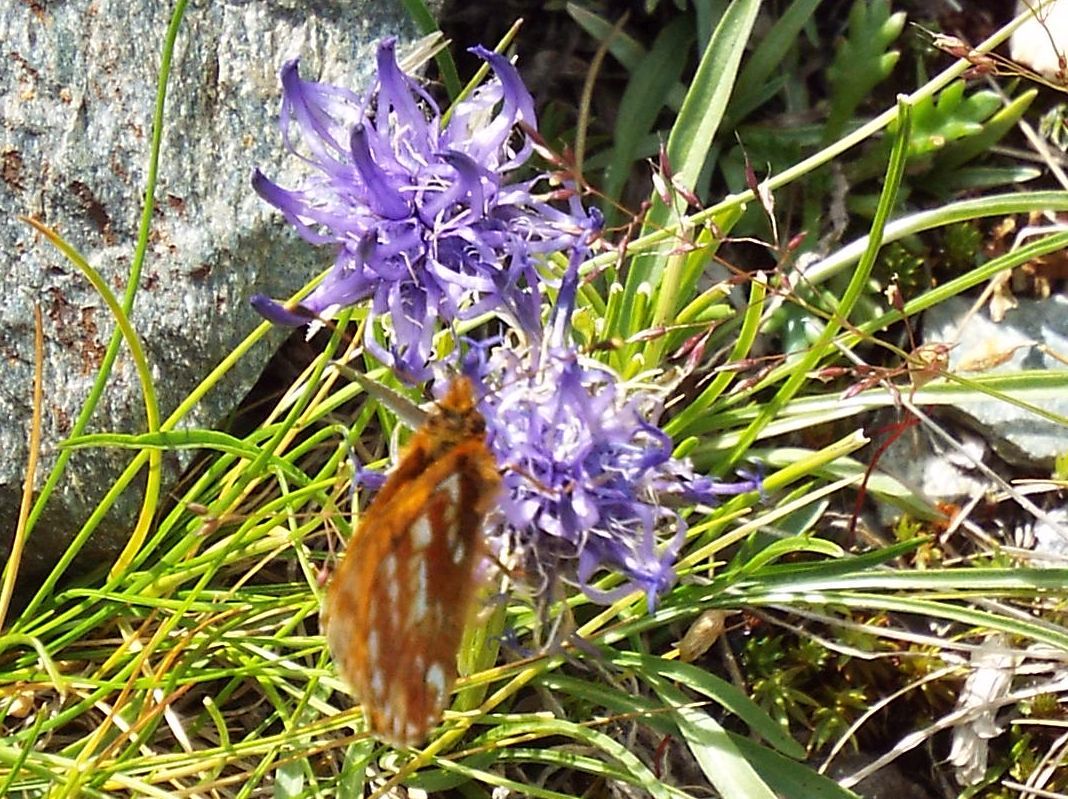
(784, 191)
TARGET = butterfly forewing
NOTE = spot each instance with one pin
(397, 606)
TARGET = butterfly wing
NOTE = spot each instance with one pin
(398, 604)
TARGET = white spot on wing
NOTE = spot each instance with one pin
(458, 552)
(419, 592)
(378, 686)
(435, 678)
(398, 711)
(389, 568)
(421, 534)
(450, 487)
(372, 649)
(391, 592)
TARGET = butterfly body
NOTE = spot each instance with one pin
(398, 604)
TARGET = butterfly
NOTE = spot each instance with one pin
(398, 603)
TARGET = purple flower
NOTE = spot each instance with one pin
(424, 222)
(581, 467)
(590, 482)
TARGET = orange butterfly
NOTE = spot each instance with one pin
(398, 604)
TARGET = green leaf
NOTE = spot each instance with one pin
(752, 86)
(185, 439)
(719, 690)
(788, 546)
(289, 780)
(702, 110)
(652, 79)
(948, 117)
(636, 771)
(973, 179)
(715, 752)
(787, 777)
(688, 416)
(599, 694)
(861, 61)
(993, 129)
(688, 146)
(426, 23)
(627, 50)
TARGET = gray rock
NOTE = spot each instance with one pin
(934, 469)
(1031, 336)
(77, 92)
(1041, 41)
(1048, 541)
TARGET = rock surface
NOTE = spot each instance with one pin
(1032, 336)
(77, 93)
(1042, 40)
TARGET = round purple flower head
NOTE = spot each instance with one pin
(580, 472)
(424, 222)
(590, 482)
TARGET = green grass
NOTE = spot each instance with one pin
(196, 666)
